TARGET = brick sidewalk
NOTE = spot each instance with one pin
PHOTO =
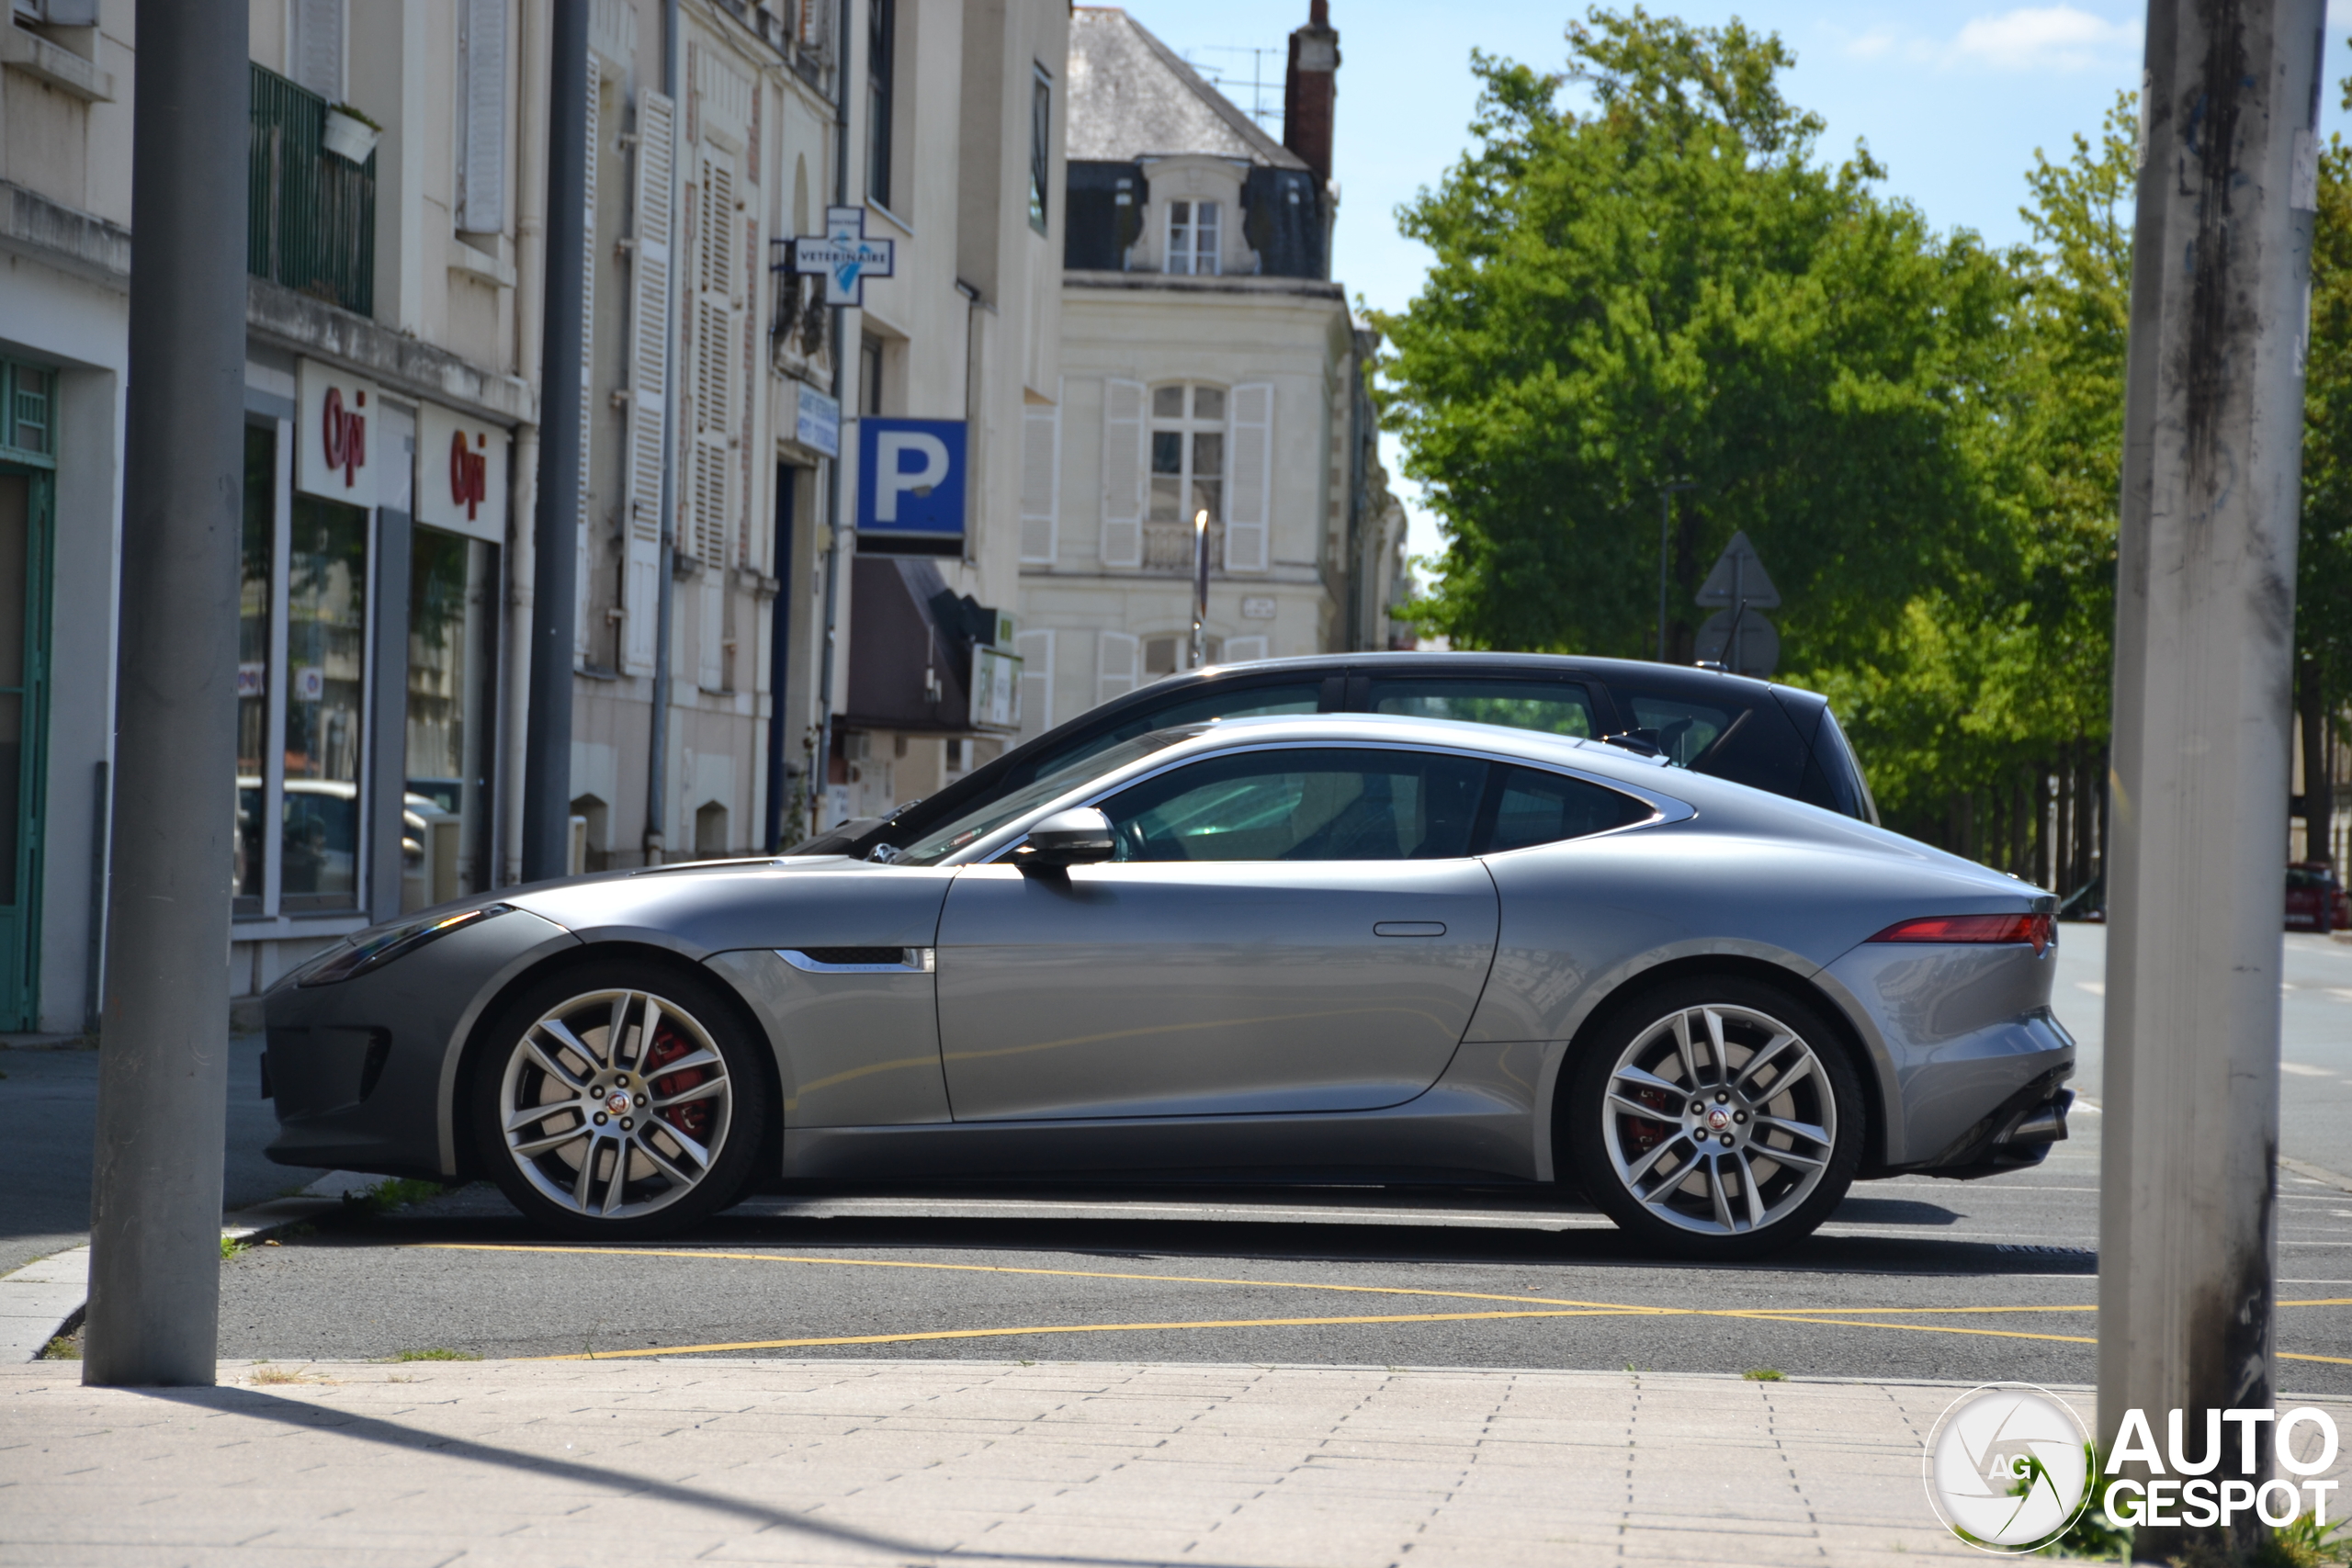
(904, 1462)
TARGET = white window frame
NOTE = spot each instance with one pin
(1195, 237)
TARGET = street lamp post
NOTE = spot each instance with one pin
(1200, 585)
(1665, 537)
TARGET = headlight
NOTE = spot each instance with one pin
(372, 949)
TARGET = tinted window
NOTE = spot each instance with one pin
(1239, 701)
(1548, 707)
(991, 815)
(1534, 807)
(1303, 803)
(1682, 730)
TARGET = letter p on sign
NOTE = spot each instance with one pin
(911, 481)
(905, 460)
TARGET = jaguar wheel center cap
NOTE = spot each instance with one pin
(617, 1102)
(1718, 1119)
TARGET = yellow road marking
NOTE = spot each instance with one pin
(1064, 1328)
(1844, 1317)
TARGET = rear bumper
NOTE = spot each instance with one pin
(2017, 1134)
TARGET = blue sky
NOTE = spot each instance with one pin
(1953, 98)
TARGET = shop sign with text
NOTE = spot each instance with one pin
(337, 419)
(460, 473)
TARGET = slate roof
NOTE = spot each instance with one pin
(1131, 97)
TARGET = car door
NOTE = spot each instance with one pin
(1287, 929)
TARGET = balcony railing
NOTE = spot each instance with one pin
(1167, 547)
(312, 222)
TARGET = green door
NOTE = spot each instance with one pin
(25, 521)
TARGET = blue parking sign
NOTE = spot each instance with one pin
(910, 477)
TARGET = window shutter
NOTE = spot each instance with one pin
(1241, 650)
(582, 598)
(1125, 433)
(1036, 651)
(711, 502)
(1250, 472)
(1041, 464)
(648, 374)
(1114, 665)
(481, 160)
(315, 59)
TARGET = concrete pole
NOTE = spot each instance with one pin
(164, 1066)
(547, 762)
(2204, 627)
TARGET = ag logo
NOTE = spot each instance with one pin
(2007, 1467)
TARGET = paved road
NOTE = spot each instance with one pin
(49, 1101)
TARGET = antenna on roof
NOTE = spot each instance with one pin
(1258, 84)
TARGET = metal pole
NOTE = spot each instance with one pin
(2204, 605)
(155, 1307)
(657, 748)
(820, 766)
(1200, 585)
(547, 762)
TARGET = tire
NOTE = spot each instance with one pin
(1756, 1158)
(555, 1109)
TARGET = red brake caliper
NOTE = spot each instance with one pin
(693, 1118)
(1642, 1134)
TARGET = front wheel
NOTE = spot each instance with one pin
(620, 1103)
(1715, 1118)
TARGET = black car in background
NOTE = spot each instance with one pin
(1753, 732)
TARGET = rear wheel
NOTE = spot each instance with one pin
(1716, 1118)
(624, 1102)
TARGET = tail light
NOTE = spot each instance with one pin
(2040, 932)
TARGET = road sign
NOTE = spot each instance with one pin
(1752, 648)
(844, 256)
(1739, 578)
(910, 477)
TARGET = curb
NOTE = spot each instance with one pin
(46, 1297)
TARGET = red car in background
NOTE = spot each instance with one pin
(2316, 899)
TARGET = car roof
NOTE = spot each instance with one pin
(1435, 662)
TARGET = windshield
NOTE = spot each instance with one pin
(936, 846)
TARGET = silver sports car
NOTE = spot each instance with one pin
(1333, 948)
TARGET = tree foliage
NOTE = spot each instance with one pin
(1643, 273)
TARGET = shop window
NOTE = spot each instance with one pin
(445, 837)
(303, 702)
(326, 662)
(27, 397)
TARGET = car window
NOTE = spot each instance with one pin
(1537, 808)
(1303, 803)
(1244, 701)
(1681, 730)
(991, 815)
(1546, 706)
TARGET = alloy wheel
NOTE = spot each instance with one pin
(615, 1104)
(1719, 1120)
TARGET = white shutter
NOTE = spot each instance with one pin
(711, 502)
(584, 562)
(1114, 665)
(1249, 478)
(1041, 479)
(1036, 651)
(1241, 650)
(315, 57)
(648, 375)
(1126, 435)
(481, 157)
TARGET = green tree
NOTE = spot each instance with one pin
(1669, 285)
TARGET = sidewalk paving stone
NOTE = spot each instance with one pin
(652, 1461)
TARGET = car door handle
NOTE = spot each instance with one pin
(1409, 928)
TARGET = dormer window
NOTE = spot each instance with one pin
(1192, 238)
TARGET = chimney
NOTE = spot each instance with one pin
(1308, 88)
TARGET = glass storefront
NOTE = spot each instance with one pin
(302, 704)
(445, 824)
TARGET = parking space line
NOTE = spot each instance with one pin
(1547, 1307)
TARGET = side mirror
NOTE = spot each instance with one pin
(1080, 836)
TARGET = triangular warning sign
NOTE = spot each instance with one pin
(1739, 573)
